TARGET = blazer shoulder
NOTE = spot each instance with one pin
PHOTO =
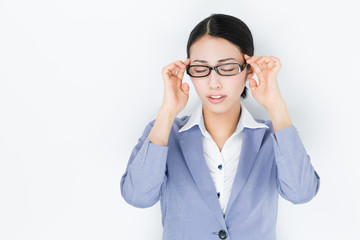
(267, 123)
(178, 123)
(270, 130)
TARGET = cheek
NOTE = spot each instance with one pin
(236, 87)
(200, 88)
(233, 86)
(237, 83)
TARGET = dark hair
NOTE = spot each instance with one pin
(224, 26)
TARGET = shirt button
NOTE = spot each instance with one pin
(222, 234)
(220, 166)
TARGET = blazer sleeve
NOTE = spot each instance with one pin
(296, 179)
(145, 174)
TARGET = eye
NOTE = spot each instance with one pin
(227, 69)
(198, 69)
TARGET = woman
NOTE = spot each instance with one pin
(218, 172)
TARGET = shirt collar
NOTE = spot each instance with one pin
(246, 120)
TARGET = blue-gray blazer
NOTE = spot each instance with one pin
(270, 164)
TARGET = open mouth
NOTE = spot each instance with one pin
(216, 99)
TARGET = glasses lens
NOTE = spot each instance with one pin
(198, 71)
(229, 69)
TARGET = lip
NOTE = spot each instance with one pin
(216, 101)
(223, 95)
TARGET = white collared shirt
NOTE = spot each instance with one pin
(222, 165)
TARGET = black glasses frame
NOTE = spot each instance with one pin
(241, 67)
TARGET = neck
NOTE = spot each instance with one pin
(222, 125)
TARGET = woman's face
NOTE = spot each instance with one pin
(211, 50)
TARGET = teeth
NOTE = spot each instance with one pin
(216, 96)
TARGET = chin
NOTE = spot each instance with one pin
(216, 108)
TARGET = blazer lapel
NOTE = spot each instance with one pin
(192, 148)
(252, 139)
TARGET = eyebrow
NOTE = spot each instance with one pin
(219, 61)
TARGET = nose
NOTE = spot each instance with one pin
(214, 79)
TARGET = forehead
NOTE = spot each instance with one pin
(212, 49)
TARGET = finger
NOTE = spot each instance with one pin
(249, 75)
(275, 60)
(252, 84)
(266, 62)
(180, 73)
(187, 61)
(172, 67)
(276, 65)
(169, 70)
(253, 63)
(256, 68)
(185, 87)
(176, 67)
(166, 73)
(180, 64)
(181, 67)
(262, 60)
(252, 59)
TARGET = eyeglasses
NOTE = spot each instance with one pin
(228, 69)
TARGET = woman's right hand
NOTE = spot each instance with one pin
(176, 93)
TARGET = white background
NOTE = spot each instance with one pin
(79, 81)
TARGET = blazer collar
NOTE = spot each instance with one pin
(246, 120)
(192, 148)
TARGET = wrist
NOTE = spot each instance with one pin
(276, 105)
(169, 113)
(280, 117)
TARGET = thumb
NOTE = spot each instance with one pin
(252, 84)
(185, 87)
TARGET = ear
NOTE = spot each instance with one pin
(250, 72)
(249, 68)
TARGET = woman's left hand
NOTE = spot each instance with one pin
(267, 92)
